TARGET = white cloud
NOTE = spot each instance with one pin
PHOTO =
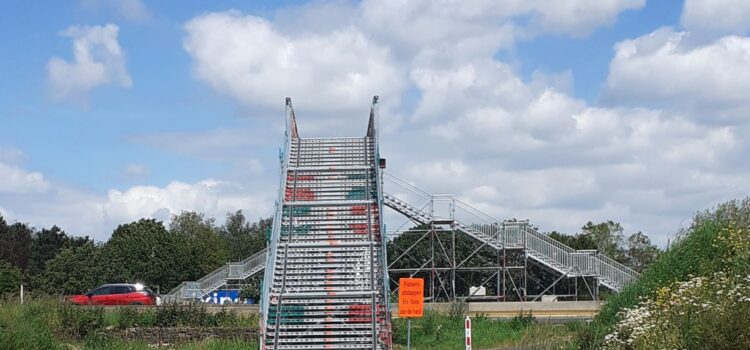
(81, 212)
(580, 17)
(529, 150)
(665, 69)
(514, 147)
(334, 56)
(247, 58)
(29, 197)
(459, 30)
(211, 197)
(14, 179)
(716, 16)
(97, 61)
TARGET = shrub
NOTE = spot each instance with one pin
(717, 240)
(10, 278)
(25, 326)
(128, 317)
(701, 313)
(80, 322)
(197, 316)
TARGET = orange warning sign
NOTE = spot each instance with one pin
(410, 297)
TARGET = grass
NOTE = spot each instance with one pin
(696, 254)
(211, 344)
(442, 332)
(46, 323)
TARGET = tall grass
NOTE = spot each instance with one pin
(25, 327)
(695, 254)
(47, 323)
(436, 331)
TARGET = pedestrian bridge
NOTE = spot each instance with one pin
(326, 282)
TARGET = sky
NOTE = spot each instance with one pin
(558, 112)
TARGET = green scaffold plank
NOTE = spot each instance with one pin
(301, 229)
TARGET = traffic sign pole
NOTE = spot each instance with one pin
(410, 302)
(408, 333)
(468, 332)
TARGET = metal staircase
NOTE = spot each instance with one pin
(324, 285)
(216, 279)
(425, 208)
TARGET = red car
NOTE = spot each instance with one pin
(117, 294)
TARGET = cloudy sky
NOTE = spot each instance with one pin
(559, 112)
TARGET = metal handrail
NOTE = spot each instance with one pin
(406, 185)
(291, 132)
(546, 249)
(217, 277)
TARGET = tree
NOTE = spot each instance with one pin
(15, 243)
(577, 241)
(144, 251)
(10, 278)
(636, 252)
(206, 249)
(640, 252)
(608, 237)
(75, 270)
(242, 238)
(47, 243)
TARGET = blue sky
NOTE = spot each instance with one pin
(628, 110)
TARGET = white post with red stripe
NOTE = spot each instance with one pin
(468, 333)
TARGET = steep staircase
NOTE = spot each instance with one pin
(324, 284)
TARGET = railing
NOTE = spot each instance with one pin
(216, 278)
(483, 225)
(552, 251)
(514, 233)
(507, 234)
(584, 261)
(613, 272)
(373, 131)
(407, 193)
(291, 132)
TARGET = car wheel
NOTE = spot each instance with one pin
(135, 303)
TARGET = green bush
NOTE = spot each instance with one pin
(131, 317)
(696, 253)
(197, 316)
(10, 278)
(79, 322)
(26, 327)
(701, 313)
